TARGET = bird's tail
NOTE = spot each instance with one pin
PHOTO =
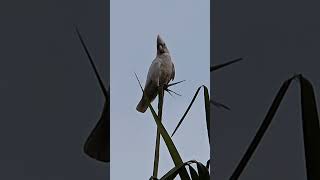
(143, 105)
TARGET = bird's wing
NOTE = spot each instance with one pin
(154, 72)
(173, 73)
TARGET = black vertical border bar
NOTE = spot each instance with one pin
(107, 28)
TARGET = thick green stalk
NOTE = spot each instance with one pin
(157, 148)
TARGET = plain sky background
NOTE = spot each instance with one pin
(276, 39)
(50, 99)
(185, 27)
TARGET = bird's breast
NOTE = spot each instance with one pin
(165, 70)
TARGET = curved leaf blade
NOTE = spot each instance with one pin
(216, 67)
(262, 129)
(203, 172)
(201, 169)
(311, 129)
(207, 109)
(168, 141)
(193, 173)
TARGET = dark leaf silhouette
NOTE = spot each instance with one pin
(216, 67)
(97, 144)
(203, 172)
(157, 147)
(168, 141)
(207, 109)
(219, 105)
(193, 173)
(311, 129)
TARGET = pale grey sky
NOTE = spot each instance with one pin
(185, 27)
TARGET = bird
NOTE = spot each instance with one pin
(161, 72)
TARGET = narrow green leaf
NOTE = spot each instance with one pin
(207, 109)
(176, 170)
(203, 172)
(193, 173)
(172, 84)
(168, 141)
(184, 115)
(201, 169)
(311, 129)
(208, 164)
(157, 148)
(171, 147)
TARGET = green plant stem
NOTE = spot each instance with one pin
(168, 141)
(157, 148)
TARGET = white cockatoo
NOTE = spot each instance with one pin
(160, 73)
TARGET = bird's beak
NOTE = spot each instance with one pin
(159, 40)
(160, 44)
(160, 47)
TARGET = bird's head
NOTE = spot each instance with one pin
(161, 46)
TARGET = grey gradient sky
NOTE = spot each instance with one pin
(184, 26)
